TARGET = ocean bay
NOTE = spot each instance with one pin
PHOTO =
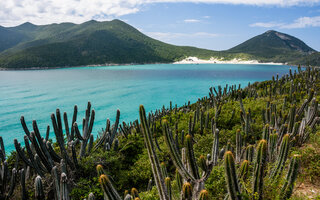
(36, 94)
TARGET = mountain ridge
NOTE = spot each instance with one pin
(116, 42)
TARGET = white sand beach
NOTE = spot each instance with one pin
(195, 60)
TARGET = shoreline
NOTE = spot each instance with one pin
(195, 60)
(189, 60)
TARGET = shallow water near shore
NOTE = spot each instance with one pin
(36, 94)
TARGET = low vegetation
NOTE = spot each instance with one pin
(259, 142)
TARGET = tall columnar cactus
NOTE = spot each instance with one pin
(187, 191)
(291, 177)
(7, 180)
(231, 177)
(190, 171)
(168, 185)
(282, 157)
(272, 147)
(134, 193)
(204, 195)
(24, 193)
(108, 188)
(41, 150)
(244, 170)
(109, 133)
(266, 133)
(154, 160)
(249, 153)
(191, 158)
(238, 146)
(260, 164)
(86, 130)
(64, 192)
(215, 145)
(179, 180)
(39, 193)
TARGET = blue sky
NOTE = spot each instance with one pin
(211, 24)
(221, 26)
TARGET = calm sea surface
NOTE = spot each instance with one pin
(36, 94)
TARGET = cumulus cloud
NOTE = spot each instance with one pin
(301, 22)
(13, 12)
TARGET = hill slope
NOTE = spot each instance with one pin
(274, 46)
(115, 42)
(89, 43)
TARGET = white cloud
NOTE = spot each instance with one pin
(301, 22)
(13, 12)
(191, 20)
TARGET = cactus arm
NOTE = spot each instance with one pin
(12, 183)
(282, 157)
(41, 155)
(168, 185)
(47, 133)
(24, 193)
(24, 126)
(231, 177)
(191, 158)
(291, 177)
(21, 153)
(66, 125)
(3, 152)
(42, 145)
(74, 119)
(215, 146)
(64, 192)
(53, 154)
(77, 132)
(259, 167)
(175, 156)
(55, 177)
(108, 188)
(155, 164)
(39, 194)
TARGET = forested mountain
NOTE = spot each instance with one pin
(115, 42)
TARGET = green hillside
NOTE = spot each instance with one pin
(115, 42)
(273, 46)
(90, 43)
(312, 59)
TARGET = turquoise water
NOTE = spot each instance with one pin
(36, 94)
